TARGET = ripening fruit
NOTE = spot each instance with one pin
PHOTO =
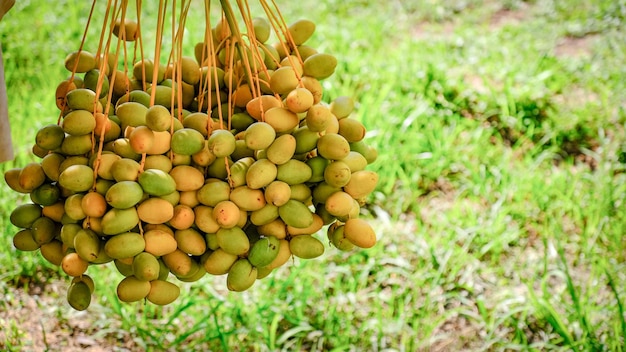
(53, 252)
(190, 70)
(333, 126)
(367, 151)
(127, 30)
(190, 186)
(261, 173)
(82, 99)
(124, 245)
(320, 65)
(190, 241)
(271, 60)
(105, 165)
(233, 240)
(226, 214)
(318, 167)
(11, 177)
(354, 213)
(241, 276)
(187, 141)
(79, 295)
(351, 129)
(284, 253)
(43, 230)
(360, 233)
(117, 221)
(276, 227)
(361, 184)
(155, 211)
(87, 244)
(306, 247)
(337, 238)
(162, 143)
(158, 118)
(124, 194)
(23, 241)
(103, 126)
(221, 143)
(80, 61)
(124, 266)
(92, 81)
(31, 176)
(86, 279)
(219, 262)
(76, 145)
(73, 265)
(73, 207)
(187, 178)
(281, 119)
(259, 135)
(196, 273)
(264, 251)
(257, 107)
(159, 242)
(315, 226)
(337, 174)
(282, 149)
(213, 192)
(356, 161)
(148, 66)
(183, 214)
(283, 80)
(242, 95)
(315, 87)
(179, 263)
(294, 172)
(333, 146)
(158, 162)
(339, 204)
(77, 178)
(342, 106)
(238, 173)
(68, 233)
(262, 29)
(25, 214)
(264, 215)
(64, 87)
(125, 169)
(141, 139)
(50, 137)
(295, 213)
(146, 267)
(39, 152)
(241, 120)
(198, 121)
(156, 182)
(204, 219)
(301, 192)
(301, 30)
(306, 139)
(248, 199)
(299, 100)
(162, 292)
(131, 289)
(305, 51)
(277, 193)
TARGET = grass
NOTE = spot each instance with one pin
(500, 208)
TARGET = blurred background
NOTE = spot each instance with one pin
(500, 208)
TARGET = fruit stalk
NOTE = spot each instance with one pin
(232, 23)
